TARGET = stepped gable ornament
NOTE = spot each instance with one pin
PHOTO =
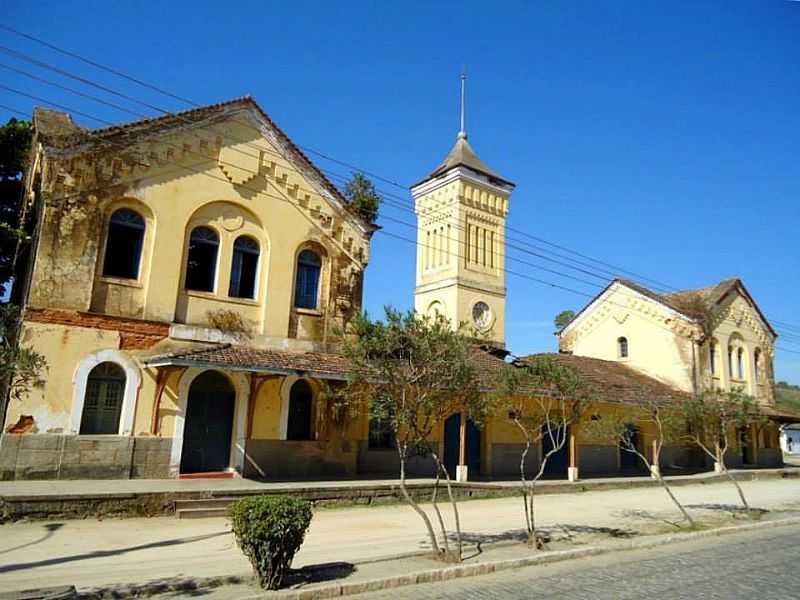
(240, 162)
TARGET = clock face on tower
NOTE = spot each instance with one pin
(481, 315)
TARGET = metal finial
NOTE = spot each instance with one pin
(462, 132)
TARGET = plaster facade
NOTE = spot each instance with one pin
(673, 347)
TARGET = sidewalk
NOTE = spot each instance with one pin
(91, 553)
(217, 487)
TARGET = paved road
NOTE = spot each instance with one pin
(89, 553)
(761, 565)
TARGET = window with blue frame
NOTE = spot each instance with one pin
(244, 268)
(124, 244)
(201, 263)
(306, 292)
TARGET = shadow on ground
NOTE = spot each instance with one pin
(734, 509)
(169, 587)
(318, 573)
(104, 553)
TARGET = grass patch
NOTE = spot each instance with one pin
(787, 397)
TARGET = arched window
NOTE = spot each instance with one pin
(622, 347)
(244, 268)
(124, 244)
(306, 289)
(201, 263)
(757, 364)
(102, 404)
(740, 362)
(298, 425)
(712, 357)
(730, 362)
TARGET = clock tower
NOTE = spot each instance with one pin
(461, 212)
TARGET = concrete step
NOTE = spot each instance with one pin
(204, 503)
(202, 508)
(201, 513)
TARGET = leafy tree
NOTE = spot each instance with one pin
(543, 398)
(15, 140)
(363, 197)
(20, 368)
(664, 416)
(563, 318)
(713, 416)
(414, 371)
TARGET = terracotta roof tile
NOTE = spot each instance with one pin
(612, 381)
(267, 360)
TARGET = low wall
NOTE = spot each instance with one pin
(386, 462)
(597, 460)
(770, 457)
(681, 457)
(285, 459)
(506, 459)
(55, 456)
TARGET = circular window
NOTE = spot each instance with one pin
(481, 315)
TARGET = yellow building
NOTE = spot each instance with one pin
(694, 340)
(161, 238)
(189, 274)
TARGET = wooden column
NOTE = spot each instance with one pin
(573, 450)
(162, 374)
(256, 381)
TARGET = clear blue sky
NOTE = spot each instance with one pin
(661, 137)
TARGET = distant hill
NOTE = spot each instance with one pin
(787, 396)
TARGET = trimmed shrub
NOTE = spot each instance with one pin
(270, 531)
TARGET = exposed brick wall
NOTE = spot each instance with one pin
(134, 334)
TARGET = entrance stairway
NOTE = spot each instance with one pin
(203, 508)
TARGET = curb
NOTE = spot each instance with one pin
(425, 576)
(457, 572)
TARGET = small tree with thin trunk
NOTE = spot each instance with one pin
(713, 417)
(414, 371)
(543, 399)
(664, 416)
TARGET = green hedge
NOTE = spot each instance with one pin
(270, 531)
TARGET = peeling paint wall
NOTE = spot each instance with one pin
(176, 182)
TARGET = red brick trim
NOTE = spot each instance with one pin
(134, 333)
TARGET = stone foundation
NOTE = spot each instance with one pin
(283, 459)
(386, 463)
(55, 456)
(506, 459)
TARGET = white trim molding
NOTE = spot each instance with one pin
(133, 380)
(241, 385)
(286, 388)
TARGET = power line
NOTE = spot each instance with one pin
(119, 73)
(396, 204)
(105, 88)
(550, 284)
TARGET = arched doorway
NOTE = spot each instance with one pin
(452, 436)
(102, 405)
(299, 422)
(208, 425)
(745, 448)
(629, 461)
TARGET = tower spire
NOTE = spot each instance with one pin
(462, 132)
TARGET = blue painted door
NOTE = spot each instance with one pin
(452, 428)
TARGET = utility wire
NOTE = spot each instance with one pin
(152, 87)
(285, 198)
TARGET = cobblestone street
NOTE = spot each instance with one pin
(759, 565)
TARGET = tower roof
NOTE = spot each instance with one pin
(462, 154)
